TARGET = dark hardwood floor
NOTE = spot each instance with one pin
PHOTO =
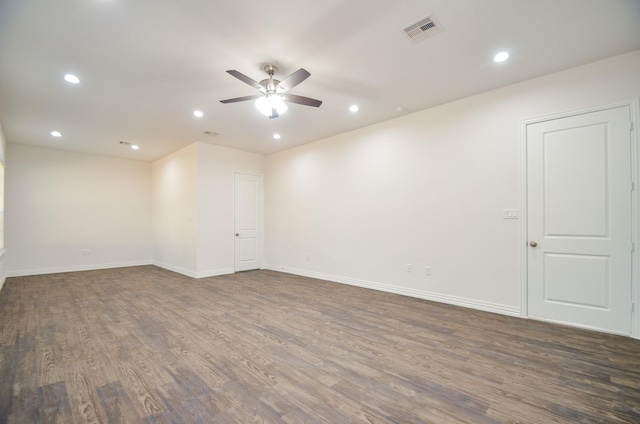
(145, 345)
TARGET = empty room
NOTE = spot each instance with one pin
(347, 211)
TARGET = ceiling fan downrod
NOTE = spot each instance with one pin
(271, 83)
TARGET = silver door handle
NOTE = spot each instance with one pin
(237, 234)
(533, 244)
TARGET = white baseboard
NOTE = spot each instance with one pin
(74, 268)
(420, 294)
(194, 274)
(3, 277)
(214, 272)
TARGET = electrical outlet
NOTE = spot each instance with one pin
(427, 270)
(511, 214)
(409, 268)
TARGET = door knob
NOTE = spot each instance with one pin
(533, 244)
(237, 234)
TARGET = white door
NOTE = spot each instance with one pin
(579, 220)
(248, 221)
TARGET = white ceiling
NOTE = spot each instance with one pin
(146, 65)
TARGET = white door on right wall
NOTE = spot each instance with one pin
(579, 220)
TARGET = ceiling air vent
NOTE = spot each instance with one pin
(423, 29)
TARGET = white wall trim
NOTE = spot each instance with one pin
(58, 270)
(213, 273)
(75, 268)
(420, 294)
(635, 204)
(524, 208)
(635, 213)
(3, 277)
(193, 274)
(173, 268)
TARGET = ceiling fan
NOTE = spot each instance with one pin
(271, 100)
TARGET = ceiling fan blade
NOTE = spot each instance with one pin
(241, 99)
(292, 80)
(242, 77)
(301, 100)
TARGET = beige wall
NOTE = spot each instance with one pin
(175, 210)
(193, 208)
(216, 166)
(427, 189)
(72, 211)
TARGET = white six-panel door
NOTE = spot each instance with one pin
(579, 220)
(247, 221)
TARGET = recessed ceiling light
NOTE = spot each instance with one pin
(354, 108)
(501, 57)
(72, 79)
(56, 133)
(135, 147)
(198, 113)
(276, 136)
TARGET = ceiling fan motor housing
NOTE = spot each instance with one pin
(270, 84)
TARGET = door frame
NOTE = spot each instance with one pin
(260, 218)
(634, 107)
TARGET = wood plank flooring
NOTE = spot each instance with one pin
(145, 345)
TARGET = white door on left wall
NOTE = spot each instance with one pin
(247, 221)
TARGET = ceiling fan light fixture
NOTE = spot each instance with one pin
(271, 100)
(267, 104)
